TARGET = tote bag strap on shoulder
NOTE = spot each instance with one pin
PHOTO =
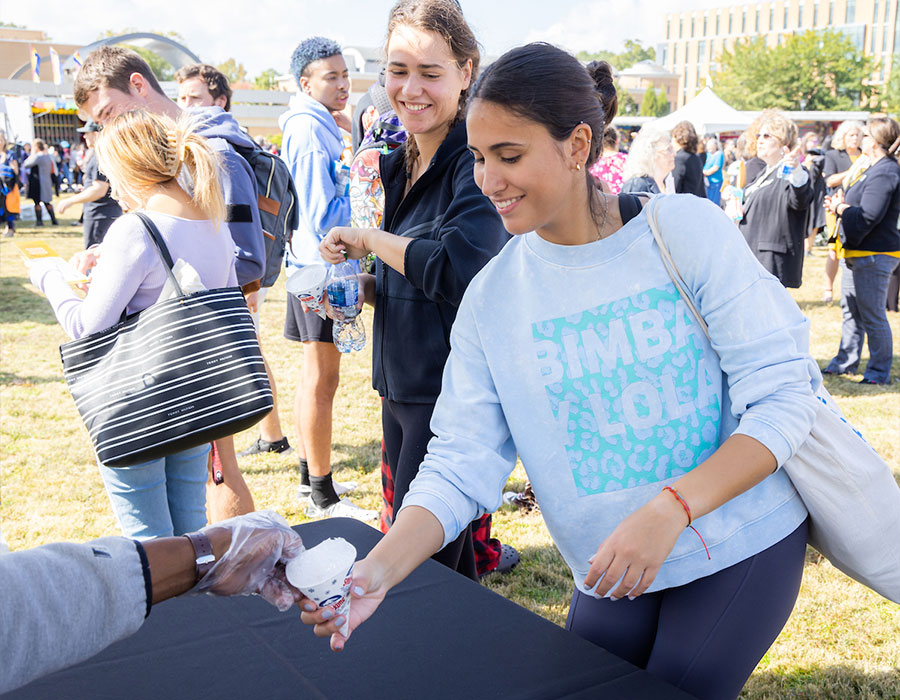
(160, 246)
(652, 210)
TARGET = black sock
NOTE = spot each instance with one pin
(304, 472)
(322, 491)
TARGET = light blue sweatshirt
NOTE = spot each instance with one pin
(311, 146)
(585, 362)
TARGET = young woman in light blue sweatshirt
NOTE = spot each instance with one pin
(573, 350)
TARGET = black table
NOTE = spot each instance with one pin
(437, 635)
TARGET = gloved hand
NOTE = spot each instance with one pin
(261, 544)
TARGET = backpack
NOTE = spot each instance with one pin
(383, 133)
(277, 201)
(9, 191)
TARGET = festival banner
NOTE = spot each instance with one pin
(54, 65)
(35, 65)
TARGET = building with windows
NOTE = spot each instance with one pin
(694, 40)
(647, 75)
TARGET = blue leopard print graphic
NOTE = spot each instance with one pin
(628, 385)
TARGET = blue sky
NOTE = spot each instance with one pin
(264, 34)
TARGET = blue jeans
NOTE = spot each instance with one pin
(864, 285)
(161, 498)
(714, 193)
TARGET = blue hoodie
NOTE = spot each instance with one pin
(239, 190)
(584, 361)
(312, 147)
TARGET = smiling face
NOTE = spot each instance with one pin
(524, 171)
(768, 146)
(424, 81)
(327, 81)
(106, 103)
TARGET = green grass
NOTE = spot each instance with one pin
(842, 641)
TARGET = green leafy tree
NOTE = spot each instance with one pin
(234, 71)
(813, 70)
(162, 69)
(265, 80)
(626, 102)
(655, 103)
(890, 101)
(634, 52)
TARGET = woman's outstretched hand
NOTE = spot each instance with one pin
(366, 593)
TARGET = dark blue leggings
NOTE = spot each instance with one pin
(707, 636)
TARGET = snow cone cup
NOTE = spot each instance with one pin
(324, 574)
(308, 285)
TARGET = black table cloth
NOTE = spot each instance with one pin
(437, 635)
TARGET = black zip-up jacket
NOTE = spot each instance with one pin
(455, 231)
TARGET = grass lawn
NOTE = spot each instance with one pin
(842, 640)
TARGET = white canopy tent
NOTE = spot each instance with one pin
(709, 114)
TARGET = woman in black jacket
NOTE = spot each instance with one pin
(439, 230)
(868, 216)
(775, 206)
(688, 172)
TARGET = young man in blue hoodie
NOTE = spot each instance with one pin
(113, 80)
(312, 147)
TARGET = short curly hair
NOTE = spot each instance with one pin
(216, 81)
(685, 136)
(309, 50)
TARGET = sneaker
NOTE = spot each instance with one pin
(345, 508)
(340, 488)
(525, 499)
(261, 446)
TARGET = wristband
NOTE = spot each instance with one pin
(687, 509)
(203, 553)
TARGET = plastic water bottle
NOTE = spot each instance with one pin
(344, 293)
(785, 170)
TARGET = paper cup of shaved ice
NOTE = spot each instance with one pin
(323, 573)
(308, 285)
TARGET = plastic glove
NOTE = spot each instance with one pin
(261, 544)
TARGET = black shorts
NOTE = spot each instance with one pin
(305, 326)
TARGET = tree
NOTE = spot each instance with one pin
(626, 102)
(634, 52)
(813, 70)
(234, 71)
(655, 103)
(890, 101)
(265, 80)
(162, 69)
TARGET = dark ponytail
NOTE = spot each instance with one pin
(551, 87)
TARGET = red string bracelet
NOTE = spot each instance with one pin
(687, 509)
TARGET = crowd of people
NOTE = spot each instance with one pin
(522, 310)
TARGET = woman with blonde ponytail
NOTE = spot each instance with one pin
(165, 169)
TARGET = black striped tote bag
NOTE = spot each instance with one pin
(180, 373)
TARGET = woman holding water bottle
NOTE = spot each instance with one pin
(439, 230)
(777, 201)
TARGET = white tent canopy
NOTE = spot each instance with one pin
(709, 114)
